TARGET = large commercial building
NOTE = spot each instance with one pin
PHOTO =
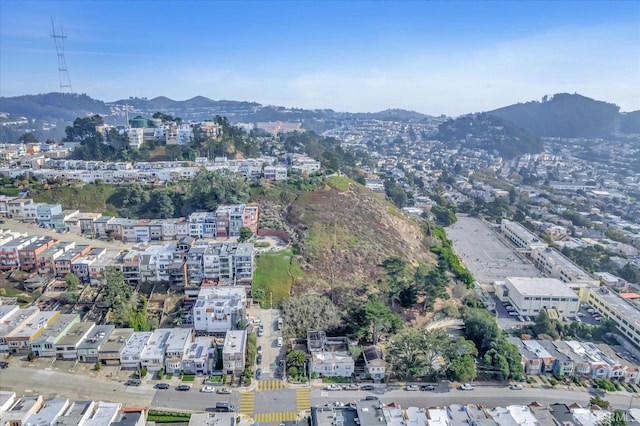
(531, 295)
(521, 236)
(553, 264)
(621, 311)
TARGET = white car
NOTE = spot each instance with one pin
(467, 386)
(334, 387)
(224, 391)
(207, 389)
(516, 387)
(411, 388)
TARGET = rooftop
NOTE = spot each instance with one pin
(234, 341)
(49, 412)
(75, 334)
(98, 335)
(136, 343)
(626, 310)
(531, 286)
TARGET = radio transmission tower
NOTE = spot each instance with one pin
(63, 71)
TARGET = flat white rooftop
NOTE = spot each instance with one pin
(530, 286)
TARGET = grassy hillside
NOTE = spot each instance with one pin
(345, 231)
(86, 198)
(274, 276)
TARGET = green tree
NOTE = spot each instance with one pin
(462, 369)
(27, 138)
(245, 234)
(160, 205)
(72, 282)
(297, 358)
(600, 402)
(374, 320)
(309, 312)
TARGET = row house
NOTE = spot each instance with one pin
(89, 348)
(4, 205)
(100, 226)
(67, 346)
(110, 350)
(45, 212)
(59, 221)
(43, 345)
(100, 263)
(234, 351)
(63, 262)
(30, 212)
(130, 354)
(81, 267)
(15, 207)
(572, 358)
(202, 225)
(86, 220)
(28, 256)
(121, 229)
(47, 259)
(200, 357)
(178, 345)
(12, 319)
(131, 268)
(9, 258)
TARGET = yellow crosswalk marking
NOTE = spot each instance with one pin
(303, 400)
(270, 384)
(287, 416)
(246, 402)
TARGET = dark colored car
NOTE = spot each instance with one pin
(133, 382)
(183, 388)
(366, 387)
(258, 374)
(162, 386)
(371, 398)
(259, 359)
(427, 388)
(4, 365)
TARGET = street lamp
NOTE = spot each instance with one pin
(270, 300)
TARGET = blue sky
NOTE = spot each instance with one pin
(450, 57)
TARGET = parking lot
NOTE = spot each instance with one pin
(485, 252)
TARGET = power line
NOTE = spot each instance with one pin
(63, 71)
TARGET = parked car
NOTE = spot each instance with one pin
(259, 359)
(427, 388)
(516, 387)
(279, 342)
(4, 365)
(333, 387)
(411, 388)
(162, 386)
(224, 391)
(513, 313)
(258, 374)
(183, 388)
(133, 382)
(207, 389)
(260, 331)
(351, 386)
(467, 386)
(371, 398)
(259, 350)
(367, 387)
(257, 321)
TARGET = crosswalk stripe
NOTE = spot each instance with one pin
(247, 400)
(280, 417)
(270, 384)
(303, 399)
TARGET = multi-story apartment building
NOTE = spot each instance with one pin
(47, 259)
(81, 267)
(109, 351)
(100, 226)
(29, 255)
(59, 221)
(15, 207)
(200, 357)
(85, 221)
(9, 258)
(233, 351)
(45, 212)
(219, 309)
(63, 262)
(19, 339)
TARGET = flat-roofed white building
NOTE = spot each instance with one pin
(130, 354)
(19, 340)
(177, 345)
(554, 264)
(103, 414)
(44, 344)
(67, 345)
(49, 412)
(233, 351)
(610, 305)
(219, 309)
(521, 236)
(531, 295)
(152, 356)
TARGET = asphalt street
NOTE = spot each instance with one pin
(28, 381)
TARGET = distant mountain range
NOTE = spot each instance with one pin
(46, 115)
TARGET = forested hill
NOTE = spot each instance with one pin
(53, 106)
(490, 133)
(563, 115)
